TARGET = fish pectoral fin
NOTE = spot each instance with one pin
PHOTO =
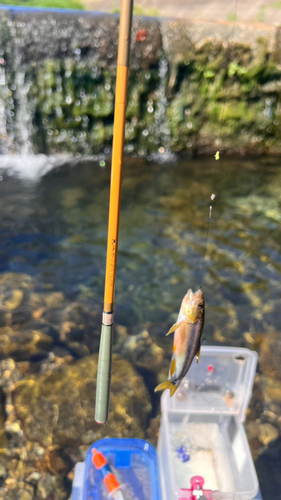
(174, 327)
(198, 354)
(163, 386)
(167, 385)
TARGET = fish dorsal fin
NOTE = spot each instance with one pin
(198, 354)
(174, 327)
(173, 367)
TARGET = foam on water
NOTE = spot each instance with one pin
(32, 167)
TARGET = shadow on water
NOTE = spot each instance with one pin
(265, 466)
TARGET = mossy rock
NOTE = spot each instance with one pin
(58, 408)
(191, 83)
(24, 344)
(270, 356)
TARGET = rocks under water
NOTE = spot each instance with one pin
(48, 394)
(53, 237)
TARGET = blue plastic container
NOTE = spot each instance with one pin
(133, 461)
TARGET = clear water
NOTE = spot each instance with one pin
(56, 230)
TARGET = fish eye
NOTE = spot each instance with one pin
(200, 306)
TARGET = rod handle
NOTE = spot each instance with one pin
(104, 374)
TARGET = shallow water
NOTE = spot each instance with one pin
(56, 230)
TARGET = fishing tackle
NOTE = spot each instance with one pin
(196, 492)
(112, 485)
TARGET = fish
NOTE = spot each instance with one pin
(187, 339)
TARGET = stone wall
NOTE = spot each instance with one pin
(194, 86)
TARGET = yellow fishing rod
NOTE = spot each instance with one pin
(105, 350)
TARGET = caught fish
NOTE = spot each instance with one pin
(187, 339)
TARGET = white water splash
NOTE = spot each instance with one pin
(23, 123)
(32, 167)
(162, 131)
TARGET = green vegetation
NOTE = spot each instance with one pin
(212, 90)
(261, 13)
(243, 90)
(276, 5)
(140, 11)
(56, 4)
(232, 17)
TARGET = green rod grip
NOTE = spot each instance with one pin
(104, 374)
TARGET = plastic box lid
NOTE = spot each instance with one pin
(221, 383)
(133, 461)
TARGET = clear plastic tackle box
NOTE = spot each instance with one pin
(202, 432)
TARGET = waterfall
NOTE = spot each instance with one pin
(162, 132)
(5, 110)
(23, 122)
(57, 81)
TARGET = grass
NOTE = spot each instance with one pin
(56, 4)
(261, 14)
(232, 17)
(276, 5)
(140, 11)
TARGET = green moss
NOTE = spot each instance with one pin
(232, 17)
(276, 5)
(208, 73)
(215, 91)
(138, 10)
(262, 13)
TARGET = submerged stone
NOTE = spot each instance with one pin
(58, 408)
(270, 356)
(23, 345)
(142, 351)
(13, 289)
(267, 433)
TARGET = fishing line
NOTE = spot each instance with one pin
(217, 155)
(206, 239)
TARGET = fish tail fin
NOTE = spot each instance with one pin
(167, 385)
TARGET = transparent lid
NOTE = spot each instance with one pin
(134, 464)
(221, 383)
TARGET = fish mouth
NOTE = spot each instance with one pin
(192, 315)
(193, 319)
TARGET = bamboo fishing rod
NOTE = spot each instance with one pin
(105, 350)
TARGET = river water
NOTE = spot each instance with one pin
(54, 228)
